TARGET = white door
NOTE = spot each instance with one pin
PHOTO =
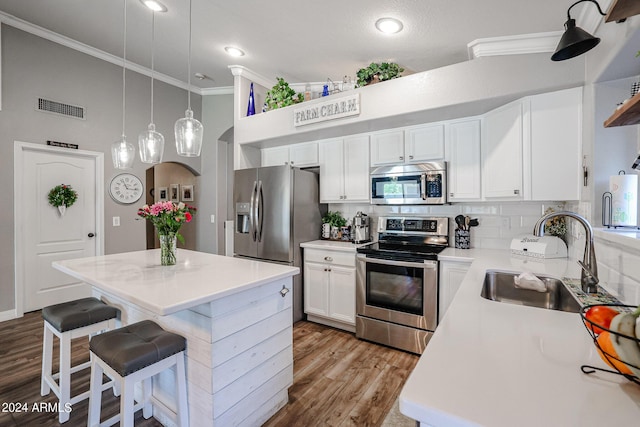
(43, 234)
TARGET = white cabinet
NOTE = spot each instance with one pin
(502, 153)
(463, 160)
(298, 155)
(344, 170)
(415, 144)
(451, 275)
(554, 141)
(330, 287)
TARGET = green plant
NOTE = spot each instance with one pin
(384, 71)
(281, 95)
(62, 195)
(335, 219)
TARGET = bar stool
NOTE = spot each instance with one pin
(132, 354)
(67, 321)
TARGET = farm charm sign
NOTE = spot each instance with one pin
(334, 109)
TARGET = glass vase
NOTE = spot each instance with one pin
(167, 249)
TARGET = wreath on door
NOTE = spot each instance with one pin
(62, 196)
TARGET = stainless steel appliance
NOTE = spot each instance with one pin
(419, 184)
(360, 227)
(397, 282)
(276, 208)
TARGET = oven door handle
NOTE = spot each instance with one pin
(423, 264)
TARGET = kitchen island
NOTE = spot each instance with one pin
(498, 364)
(235, 314)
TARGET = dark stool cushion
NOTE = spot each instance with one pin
(77, 314)
(136, 346)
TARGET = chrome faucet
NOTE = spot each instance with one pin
(589, 276)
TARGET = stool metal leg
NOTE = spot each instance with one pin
(47, 355)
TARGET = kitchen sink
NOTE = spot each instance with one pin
(500, 286)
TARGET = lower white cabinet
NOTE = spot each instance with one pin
(330, 287)
(451, 275)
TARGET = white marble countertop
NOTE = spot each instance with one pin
(334, 245)
(497, 364)
(196, 278)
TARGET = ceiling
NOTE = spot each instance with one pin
(301, 41)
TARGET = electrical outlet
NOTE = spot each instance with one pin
(505, 223)
(213, 219)
(116, 221)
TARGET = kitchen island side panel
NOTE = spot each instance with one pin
(239, 354)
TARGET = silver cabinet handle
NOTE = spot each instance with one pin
(328, 258)
(401, 158)
(291, 162)
(410, 157)
(450, 194)
(516, 191)
(284, 291)
(345, 197)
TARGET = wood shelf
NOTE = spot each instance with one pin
(629, 114)
(621, 9)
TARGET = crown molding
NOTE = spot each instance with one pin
(222, 90)
(239, 70)
(514, 45)
(91, 51)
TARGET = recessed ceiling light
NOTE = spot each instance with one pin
(154, 5)
(234, 51)
(389, 25)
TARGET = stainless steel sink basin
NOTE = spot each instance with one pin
(500, 286)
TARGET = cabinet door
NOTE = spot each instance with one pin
(555, 145)
(275, 156)
(356, 169)
(502, 152)
(331, 171)
(303, 155)
(424, 143)
(387, 148)
(342, 294)
(316, 289)
(463, 152)
(451, 276)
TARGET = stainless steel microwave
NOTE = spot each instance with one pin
(418, 184)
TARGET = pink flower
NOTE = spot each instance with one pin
(188, 216)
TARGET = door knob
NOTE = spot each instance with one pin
(90, 234)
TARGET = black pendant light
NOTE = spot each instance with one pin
(575, 41)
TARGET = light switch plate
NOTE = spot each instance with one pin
(213, 218)
(116, 221)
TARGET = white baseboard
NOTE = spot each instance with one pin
(8, 315)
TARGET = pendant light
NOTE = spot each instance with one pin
(188, 130)
(575, 41)
(122, 152)
(150, 142)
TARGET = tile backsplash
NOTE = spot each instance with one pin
(499, 223)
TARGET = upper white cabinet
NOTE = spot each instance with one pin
(412, 145)
(463, 160)
(298, 155)
(502, 153)
(344, 170)
(555, 141)
(531, 148)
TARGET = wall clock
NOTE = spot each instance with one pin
(126, 188)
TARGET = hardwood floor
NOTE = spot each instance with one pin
(338, 379)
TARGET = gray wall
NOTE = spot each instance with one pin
(217, 117)
(33, 67)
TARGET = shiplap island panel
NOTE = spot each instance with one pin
(234, 313)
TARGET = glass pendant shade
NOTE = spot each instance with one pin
(151, 145)
(123, 153)
(189, 133)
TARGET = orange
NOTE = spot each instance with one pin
(605, 345)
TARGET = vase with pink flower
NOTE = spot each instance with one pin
(168, 218)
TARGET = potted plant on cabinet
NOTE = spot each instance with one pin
(375, 73)
(281, 95)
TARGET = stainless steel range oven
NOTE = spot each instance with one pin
(397, 282)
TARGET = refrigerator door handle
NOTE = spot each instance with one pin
(253, 212)
(259, 211)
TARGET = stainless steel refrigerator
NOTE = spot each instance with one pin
(276, 209)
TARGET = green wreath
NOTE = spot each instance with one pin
(62, 195)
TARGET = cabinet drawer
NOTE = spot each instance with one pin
(330, 257)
